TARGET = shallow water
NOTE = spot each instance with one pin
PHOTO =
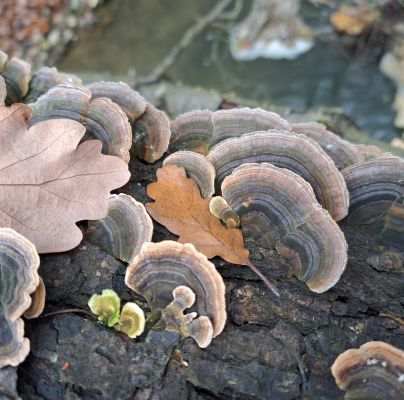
(133, 36)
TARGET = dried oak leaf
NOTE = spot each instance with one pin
(48, 181)
(181, 209)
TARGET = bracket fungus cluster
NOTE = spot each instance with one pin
(16, 74)
(19, 262)
(374, 371)
(297, 153)
(376, 190)
(125, 228)
(104, 120)
(200, 129)
(278, 209)
(162, 267)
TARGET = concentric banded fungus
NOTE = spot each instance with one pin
(286, 150)
(161, 267)
(374, 371)
(151, 134)
(130, 101)
(199, 130)
(19, 262)
(197, 168)
(132, 320)
(45, 79)
(3, 91)
(342, 152)
(125, 228)
(279, 210)
(37, 301)
(106, 306)
(376, 190)
(16, 73)
(219, 207)
(200, 329)
(104, 120)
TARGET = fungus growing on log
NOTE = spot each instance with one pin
(107, 306)
(376, 191)
(37, 301)
(16, 74)
(200, 329)
(124, 230)
(45, 79)
(131, 321)
(160, 267)
(151, 134)
(296, 153)
(104, 120)
(342, 152)
(369, 152)
(199, 130)
(130, 101)
(278, 209)
(19, 278)
(374, 371)
(197, 168)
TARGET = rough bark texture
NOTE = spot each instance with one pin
(272, 348)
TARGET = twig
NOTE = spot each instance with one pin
(66, 311)
(265, 280)
(186, 39)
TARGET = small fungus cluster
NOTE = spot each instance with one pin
(130, 320)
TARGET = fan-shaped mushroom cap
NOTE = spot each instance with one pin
(199, 130)
(106, 306)
(374, 187)
(297, 153)
(130, 101)
(219, 207)
(343, 153)
(200, 329)
(125, 228)
(3, 91)
(17, 74)
(376, 190)
(151, 134)
(279, 210)
(197, 168)
(46, 78)
(19, 278)
(374, 371)
(132, 320)
(104, 120)
(160, 267)
(192, 131)
(37, 301)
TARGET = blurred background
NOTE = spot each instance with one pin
(301, 55)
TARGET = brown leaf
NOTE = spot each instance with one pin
(181, 209)
(48, 181)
